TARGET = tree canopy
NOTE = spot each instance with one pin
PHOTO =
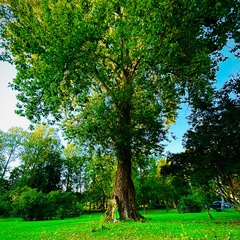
(114, 71)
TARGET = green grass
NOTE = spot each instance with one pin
(159, 225)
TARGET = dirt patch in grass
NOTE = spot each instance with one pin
(235, 222)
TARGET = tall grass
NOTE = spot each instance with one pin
(159, 225)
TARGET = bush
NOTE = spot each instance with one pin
(5, 207)
(189, 204)
(29, 204)
(32, 205)
(69, 206)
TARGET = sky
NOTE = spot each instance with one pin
(230, 67)
(8, 100)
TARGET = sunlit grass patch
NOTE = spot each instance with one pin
(158, 225)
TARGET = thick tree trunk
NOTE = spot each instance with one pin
(124, 191)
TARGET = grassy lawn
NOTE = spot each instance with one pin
(159, 225)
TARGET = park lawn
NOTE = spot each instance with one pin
(159, 225)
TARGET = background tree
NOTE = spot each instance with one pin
(113, 70)
(144, 176)
(154, 188)
(99, 180)
(212, 155)
(41, 162)
(10, 148)
(171, 188)
(10, 152)
(74, 168)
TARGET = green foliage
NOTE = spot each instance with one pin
(5, 200)
(43, 168)
(99, 173)
(28, 204)
(152, 188)
(103, 64)
(41, 163)
(5, 205)
(189, 204)
(212, 144)
(68, 205)
(5, 208)
(145, 181)
(74, 168)
(33, 205)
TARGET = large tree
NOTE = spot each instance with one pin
(114, 70)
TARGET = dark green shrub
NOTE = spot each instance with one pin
(5, 207)
(28, 204)
(69, 206)
(189, 204)
(33, 205)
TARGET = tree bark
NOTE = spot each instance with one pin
(124, 191)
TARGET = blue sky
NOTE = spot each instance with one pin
(8, 100)
(230, 66)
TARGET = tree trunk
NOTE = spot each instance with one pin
(124, 191)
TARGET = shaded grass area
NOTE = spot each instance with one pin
(159, 225)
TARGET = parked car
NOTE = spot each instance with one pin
(218, 205)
